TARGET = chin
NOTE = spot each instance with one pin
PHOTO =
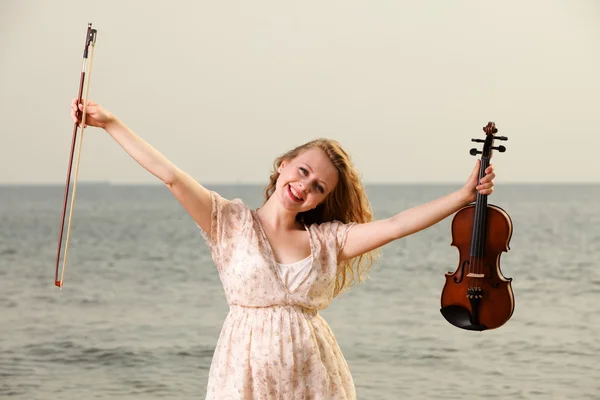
(288, 203)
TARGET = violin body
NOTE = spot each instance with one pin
(477, 296)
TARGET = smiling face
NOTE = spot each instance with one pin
(305, 181)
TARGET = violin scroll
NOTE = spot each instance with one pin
(490, 129)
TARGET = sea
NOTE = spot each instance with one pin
(142, 306)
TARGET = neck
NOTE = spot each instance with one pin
(478, 236)
(276, 217)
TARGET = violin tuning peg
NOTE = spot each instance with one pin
(500, 138)
(478, 140)
(474, 152)
(501, 149)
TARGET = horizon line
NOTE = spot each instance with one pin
(248, 183)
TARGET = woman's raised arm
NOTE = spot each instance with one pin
(194, 197)
(366, 237)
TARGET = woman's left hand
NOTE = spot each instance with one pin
(486, 186)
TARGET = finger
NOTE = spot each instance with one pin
(486, 191)
(488, 178)
(475, 171)
(485, 186)
(89, 109)
(78, 106)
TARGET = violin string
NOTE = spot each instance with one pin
(481, 219)
(477, 239)
(80, 144)
(479, 228)
(479, 231)
(471, 251)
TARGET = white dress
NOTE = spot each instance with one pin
(274, 345)
(293, 274)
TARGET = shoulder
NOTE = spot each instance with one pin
(332, 232)
(228, 214)
(221, 204)
(330, 226)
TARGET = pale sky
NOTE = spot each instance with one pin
(223, 87)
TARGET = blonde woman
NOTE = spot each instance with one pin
(313, 237)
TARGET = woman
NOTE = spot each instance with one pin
(280, 264)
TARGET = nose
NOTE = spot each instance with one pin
(305, 185)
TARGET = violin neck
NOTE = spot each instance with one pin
(480, 217)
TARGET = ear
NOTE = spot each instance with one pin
(281, 166)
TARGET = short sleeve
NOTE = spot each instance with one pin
(333, 236)
(341, 230)
(226, 218)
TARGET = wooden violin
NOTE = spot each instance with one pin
(477, 296)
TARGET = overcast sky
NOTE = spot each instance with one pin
(222, 87)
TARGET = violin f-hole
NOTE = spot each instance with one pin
(458, 276)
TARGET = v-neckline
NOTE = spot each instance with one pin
(273, 261)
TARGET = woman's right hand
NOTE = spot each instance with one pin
(95, 114)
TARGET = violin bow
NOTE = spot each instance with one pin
(84, 83)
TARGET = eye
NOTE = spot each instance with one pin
(304, 171)
(320, 188)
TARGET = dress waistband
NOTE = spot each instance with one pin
(273, 308)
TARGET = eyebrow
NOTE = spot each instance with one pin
(320, 180)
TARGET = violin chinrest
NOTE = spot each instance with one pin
(461, 318)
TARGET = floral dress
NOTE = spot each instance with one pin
(274, 344)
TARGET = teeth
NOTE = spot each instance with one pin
(295, 193)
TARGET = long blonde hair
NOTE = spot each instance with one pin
(346, 203)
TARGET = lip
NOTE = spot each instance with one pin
(289, 190)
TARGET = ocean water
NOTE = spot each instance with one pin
(142, 305)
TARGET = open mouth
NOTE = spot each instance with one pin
(294, 195)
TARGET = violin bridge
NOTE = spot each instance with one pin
(473, 275)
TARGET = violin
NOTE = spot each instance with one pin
(477, 296)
